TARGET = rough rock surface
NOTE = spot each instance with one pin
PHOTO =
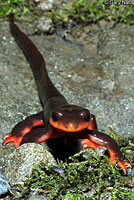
(4, 186)
(20, 164)
(96, 72)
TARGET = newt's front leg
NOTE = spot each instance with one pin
(23, 128)
(40, 135)
(98, 139)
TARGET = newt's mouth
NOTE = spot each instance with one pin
(69, 127)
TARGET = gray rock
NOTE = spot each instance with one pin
(4, 186)
(46, 5)
(45, 24)
(37, 197)
(20, 164)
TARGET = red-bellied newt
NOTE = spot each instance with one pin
(65, 127)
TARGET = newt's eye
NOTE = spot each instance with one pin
(55, 117)
(86, 117)
(85, 114)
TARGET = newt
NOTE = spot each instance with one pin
(66, 128)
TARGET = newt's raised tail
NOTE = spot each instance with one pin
(37, 63)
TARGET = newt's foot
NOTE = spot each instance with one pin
(122, 164)
(9, 138)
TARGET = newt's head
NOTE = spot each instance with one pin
(70, 118)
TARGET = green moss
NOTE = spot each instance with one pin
(91, 178)
(13, 6)
(79, 11)
(87, 12)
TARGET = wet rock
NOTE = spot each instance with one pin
(20, 164)
(45, 5)
(45, 25)
(96, 73)
(116, 47)
(100, 150)
(4, 186)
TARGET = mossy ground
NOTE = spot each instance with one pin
(93, 178)
(72, 13)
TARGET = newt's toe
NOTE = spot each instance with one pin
(9, 138)
(8, 135)
(122, 164)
